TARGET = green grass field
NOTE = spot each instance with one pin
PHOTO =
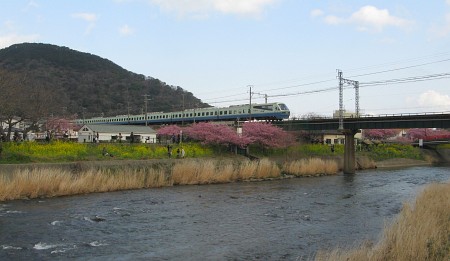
(29, 152)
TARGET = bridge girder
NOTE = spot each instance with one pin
(382, 122)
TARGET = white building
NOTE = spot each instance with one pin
(116, 133)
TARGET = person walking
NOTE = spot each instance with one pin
(169, 151)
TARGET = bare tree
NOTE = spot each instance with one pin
(24, 100)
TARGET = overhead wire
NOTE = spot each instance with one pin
(406, 80)
(217, 100)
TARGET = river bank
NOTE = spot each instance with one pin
(63, 179)
(362, 162)
(286, 219)
(428, 240)
(34, 180)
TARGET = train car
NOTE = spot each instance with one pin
(265, 111)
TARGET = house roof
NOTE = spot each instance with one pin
(108, 128)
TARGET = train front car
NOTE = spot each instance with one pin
(283, 110)
(270, 111)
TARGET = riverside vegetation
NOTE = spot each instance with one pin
(429, 216)
(421, 231)
(203, 165)
(36, 182)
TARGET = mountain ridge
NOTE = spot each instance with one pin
(79, 83)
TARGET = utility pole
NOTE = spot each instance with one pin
(128, 104)
(128, 109)
(145, 103)
(357, 98)
(262, 94)
(250, 107)
(182, 115)
(83, 109)
(341, 99)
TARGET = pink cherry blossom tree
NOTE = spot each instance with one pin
(263, 134)
(59, 126)
(428, 134)
(216, 134)
(169, 132)
(380, 134)
(266, 135)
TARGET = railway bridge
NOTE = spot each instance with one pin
(350, 126)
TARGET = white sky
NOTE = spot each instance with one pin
(284, 48)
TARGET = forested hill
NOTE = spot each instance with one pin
(58, 80)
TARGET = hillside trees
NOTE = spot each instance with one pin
(87, 84)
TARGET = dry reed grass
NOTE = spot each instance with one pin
(215, 171)
(420, 232)
(267, 169)
(38, 183)
(311, 167)
(51, 182)
(188, 172)
(365, 163)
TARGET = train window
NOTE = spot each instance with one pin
(225, 112)
(221, 112)
(283, 106)
(229, 112)
(234, 112)
(215, 113)
(264, 107)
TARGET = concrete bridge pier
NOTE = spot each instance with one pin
(349, 151)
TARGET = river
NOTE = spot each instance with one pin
(270, 220)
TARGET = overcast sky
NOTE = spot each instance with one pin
(287, 49)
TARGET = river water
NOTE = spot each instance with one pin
(271, 220)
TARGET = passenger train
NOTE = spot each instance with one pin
(265, 111)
